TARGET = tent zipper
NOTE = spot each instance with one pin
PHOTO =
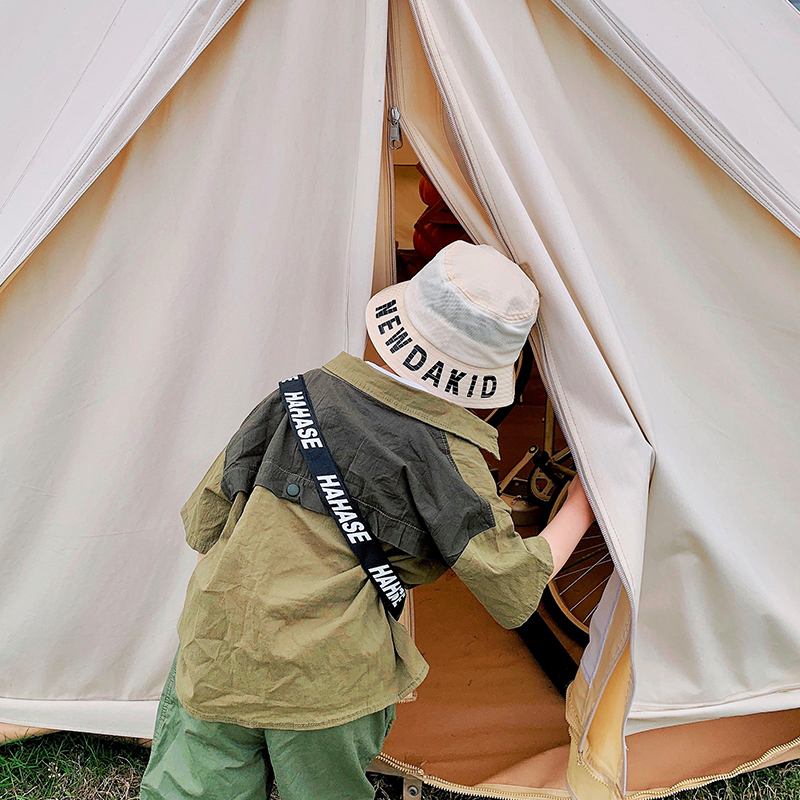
(642, 794)
(540, 351)
(693, 783)
(393, 117)
(540, 356)
(395, 131)
(469, 791)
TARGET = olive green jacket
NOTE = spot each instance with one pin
(281, 628)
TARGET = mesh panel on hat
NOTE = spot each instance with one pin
(490, 279)
(457, 325)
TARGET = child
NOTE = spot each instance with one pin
(289, 664)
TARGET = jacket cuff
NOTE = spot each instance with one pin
(199, 544)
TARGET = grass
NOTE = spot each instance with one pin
(62, 766)
(77, 766)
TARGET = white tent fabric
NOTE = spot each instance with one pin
(669, 319)
(115, 62)
(228, 245)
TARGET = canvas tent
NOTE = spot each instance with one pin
(196, 203)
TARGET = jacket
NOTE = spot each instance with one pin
(281, 627)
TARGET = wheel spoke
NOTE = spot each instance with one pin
(573, 565)
(588, 595)
(586, 618)
(603, 560)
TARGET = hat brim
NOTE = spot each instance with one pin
(410, 355)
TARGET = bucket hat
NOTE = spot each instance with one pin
(458, 325)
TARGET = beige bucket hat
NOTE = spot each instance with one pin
(458, 325)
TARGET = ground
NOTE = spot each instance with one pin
(67, 766)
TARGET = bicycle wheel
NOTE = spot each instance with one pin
(573, 595)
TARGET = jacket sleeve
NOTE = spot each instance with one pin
(205, 513)
(504, 571)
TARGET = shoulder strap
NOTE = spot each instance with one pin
(336, 498)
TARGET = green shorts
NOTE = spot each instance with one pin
(193, 758)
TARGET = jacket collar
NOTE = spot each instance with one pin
(414, 403)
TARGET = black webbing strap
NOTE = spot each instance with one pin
(335, 496)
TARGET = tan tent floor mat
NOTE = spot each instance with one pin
(486, 704)
(487, 714)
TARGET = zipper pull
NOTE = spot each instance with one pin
(395, 134)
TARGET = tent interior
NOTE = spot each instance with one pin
(226, 230)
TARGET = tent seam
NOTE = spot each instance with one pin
(75, 195)
(63, 106)
(661, 102)
(727, 701)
